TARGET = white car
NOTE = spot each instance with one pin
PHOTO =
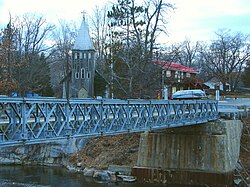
(189, 94)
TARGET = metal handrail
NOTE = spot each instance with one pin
(39, 120)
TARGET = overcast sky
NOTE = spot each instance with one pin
(193, 19)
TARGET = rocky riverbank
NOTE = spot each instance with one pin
(114, 173)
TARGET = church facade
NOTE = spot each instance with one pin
(83, 64)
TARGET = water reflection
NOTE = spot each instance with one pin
(38, 176)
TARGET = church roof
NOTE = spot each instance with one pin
(83, 40)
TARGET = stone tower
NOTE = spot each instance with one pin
(83, 64)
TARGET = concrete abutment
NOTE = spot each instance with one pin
(191, 155)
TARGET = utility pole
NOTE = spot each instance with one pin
(67, 76)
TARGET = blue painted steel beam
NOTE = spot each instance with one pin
(40, 120)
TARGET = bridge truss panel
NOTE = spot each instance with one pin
(30, 120)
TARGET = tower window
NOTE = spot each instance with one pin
(80, 55)
(76, 75)
(82, 73)
(75, 55)
(84, 55)
(89, 55)
(88, 75)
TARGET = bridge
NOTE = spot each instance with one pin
(41, 120)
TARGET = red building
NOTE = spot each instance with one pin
(178, 77)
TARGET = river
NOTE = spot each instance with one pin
(41, 176)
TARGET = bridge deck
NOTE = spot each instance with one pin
(39, 120)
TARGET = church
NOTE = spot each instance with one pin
(82, 73)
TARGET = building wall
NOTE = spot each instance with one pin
(176, 80)
(83, 72)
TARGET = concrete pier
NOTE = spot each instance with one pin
(195, 155)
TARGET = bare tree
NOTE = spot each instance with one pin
(184, 53)
(27, 51)
(63, 38)
(101, 34)
(100, 31)
(134, 31)
(226, 56)
(156, 14)
(32, 34)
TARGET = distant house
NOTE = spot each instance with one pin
(213, 84)
(178, 77)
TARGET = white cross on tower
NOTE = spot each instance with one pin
(84, 14)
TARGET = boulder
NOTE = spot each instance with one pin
(101, 176)
(88, 172)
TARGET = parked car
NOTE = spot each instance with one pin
(189, 94)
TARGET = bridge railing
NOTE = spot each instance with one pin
(37, 120)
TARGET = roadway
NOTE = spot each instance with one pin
(240, 106)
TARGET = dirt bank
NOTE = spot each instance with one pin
(103, 151)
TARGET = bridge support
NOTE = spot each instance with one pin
(191, 155)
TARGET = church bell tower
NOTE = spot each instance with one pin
(83, 63)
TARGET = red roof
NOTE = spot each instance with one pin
(175, 66)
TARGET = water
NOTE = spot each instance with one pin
(40, 176)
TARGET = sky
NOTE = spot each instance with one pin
(196, 20)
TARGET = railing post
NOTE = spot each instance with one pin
(24, 133)
(13, 119)
(101, 124)
(68, 129)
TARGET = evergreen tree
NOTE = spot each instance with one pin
(99, 85)
(245, 76)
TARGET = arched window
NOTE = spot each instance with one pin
(88, 75)
(76, 75)
(82, 73)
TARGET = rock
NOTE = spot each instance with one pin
(53, 153)
(79, 164)
(88, 172)
(113, 177)
(101, 176)
(72, 168)
(125, 170)
(237, 181)
(8, 161)
(127, 178)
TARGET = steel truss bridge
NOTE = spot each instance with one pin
(41, 120)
